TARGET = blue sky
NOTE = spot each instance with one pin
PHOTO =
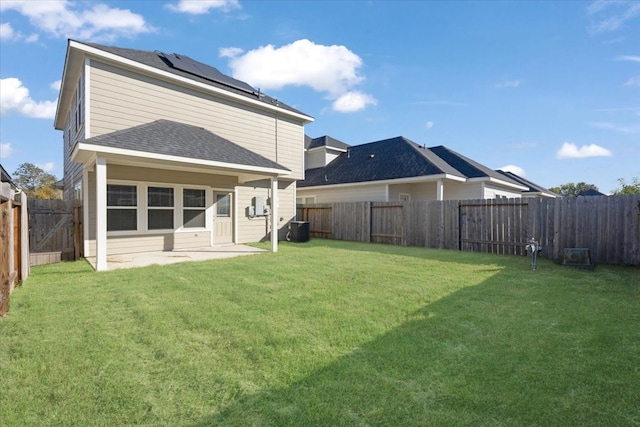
(549, 90)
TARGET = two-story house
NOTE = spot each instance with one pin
(168, 153)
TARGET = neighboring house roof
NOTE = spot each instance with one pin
(591, 192)
(168, 138)
(5, 177)
(533, 188)
(469, 168)
(381, 160)
(323, 141)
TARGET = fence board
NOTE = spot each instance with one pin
(52, 229)
(608, 226)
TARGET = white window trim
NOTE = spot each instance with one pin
(181, 226)
(408, 195)
(160, 208)
(142, 208)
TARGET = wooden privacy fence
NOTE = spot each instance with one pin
(55, 231)
(608, 226)
(14, 255)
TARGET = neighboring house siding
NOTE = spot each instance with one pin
(121, 99)
(315, 159)
(461, 191)
(359, 193)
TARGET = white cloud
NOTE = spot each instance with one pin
(329, 69)
(508, 84)
(570, 150)
(229, 52)
(631, 58)
(199, 7)
(633, 81)
(5, 150)
(615, 127)
(15, 98)
(6, 32)
(47, 167)
(429, 124)
(56, 85)
(353, 101)
(611, 15)
(96, 21)
(514, 169)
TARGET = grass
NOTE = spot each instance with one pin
(324, 333)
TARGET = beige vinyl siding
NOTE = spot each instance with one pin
(454, 190)
(72, 171)
(121, 99)
(257, 229)
(314, 159)
(136, 174)
(117, 245)
(356, 193)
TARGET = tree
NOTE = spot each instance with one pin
(572, 190)
(632, 188)
(35, 182)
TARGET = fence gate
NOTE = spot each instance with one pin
(494, 226)
(53, 231)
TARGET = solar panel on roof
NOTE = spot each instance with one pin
(186, 64)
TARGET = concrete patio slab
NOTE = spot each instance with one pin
(144, 259)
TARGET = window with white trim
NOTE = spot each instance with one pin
(193, 208)
(305, 200)
(122, 207)
(160, 208)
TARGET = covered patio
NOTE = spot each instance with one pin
(145, 259)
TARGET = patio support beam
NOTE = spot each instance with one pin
(439, 190)
(101, 214)
(274, 214)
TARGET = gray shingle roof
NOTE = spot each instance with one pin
(323, 141)
(533, 188)
(181, 140)
(156, 59)
(381, 160)
(395, 158)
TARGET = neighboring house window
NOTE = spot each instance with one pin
(405, 197)
(77, 190)
(122, 208)
(223, 205)
(159, 208)
(305, 200)
(193, 204)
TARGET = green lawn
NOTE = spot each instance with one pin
(324, 333)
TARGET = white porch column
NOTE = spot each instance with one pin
(274, 214)
(101, 214)
(439, 190)
(85, 212)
